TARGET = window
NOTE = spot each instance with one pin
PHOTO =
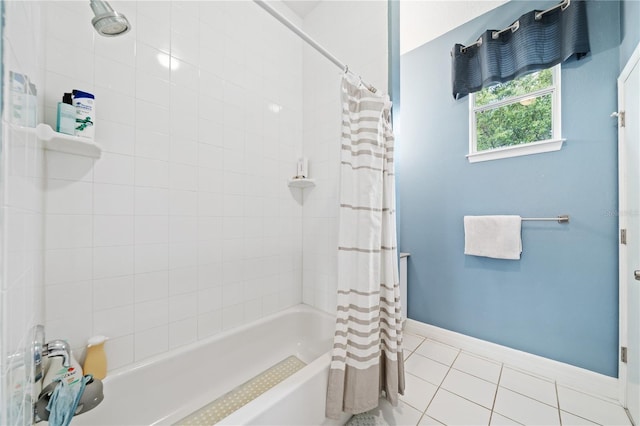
(519, 117)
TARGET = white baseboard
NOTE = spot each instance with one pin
(564, 374)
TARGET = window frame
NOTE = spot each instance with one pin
(547, 145)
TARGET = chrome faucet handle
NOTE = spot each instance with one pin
(58, 348)
(37, 345)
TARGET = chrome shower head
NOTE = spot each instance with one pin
(107, 21)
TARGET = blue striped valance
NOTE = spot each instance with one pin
(528, 45)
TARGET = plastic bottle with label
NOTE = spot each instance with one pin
(95, 363)
(84, 103)
(56, 371)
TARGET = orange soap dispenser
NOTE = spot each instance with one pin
(95, 362)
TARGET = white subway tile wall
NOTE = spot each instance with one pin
(185, 226)
(365, 52)
(21, 192)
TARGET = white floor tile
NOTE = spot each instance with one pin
(499, 420)
(569, 419)
(592, 408)
(470, 387)
(465, 393)
(426, 368)
(451, 409)
(428, 421)
(438, 352)
(533, 387)
(418, 392)
(410, 342)
(402, 415)
(479, 367)
(525, 410)
(407, 355)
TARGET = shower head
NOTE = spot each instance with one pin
(107, 21)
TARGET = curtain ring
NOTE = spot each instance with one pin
(478, 43)
(513, 27)
(565, 5)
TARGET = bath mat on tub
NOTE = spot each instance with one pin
(217, 410)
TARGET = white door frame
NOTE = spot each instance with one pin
(623, 210)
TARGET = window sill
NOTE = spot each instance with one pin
(516, 150)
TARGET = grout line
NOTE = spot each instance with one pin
(419, 344)
(529, 397)
(456, 358)
(520, 393)
(628, 413)
(429, 404)
(473, 375)
(439, 386)
(555, 386)
(94, 161)
(495, 395)
(448, 371)
(502, 366)
(530, 374)
(591, 395)
(467, 399)
(587, 420)
(425, 415)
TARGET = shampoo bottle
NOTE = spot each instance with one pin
(95, 362)
(56, 371)
(66, 122)
(85, 113)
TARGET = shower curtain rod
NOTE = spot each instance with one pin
(306, 37)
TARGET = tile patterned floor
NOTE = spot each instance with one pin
(445, 385)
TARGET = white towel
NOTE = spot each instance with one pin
(493, 236)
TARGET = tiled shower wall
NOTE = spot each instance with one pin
(357, 35)
(21, 191)
(185, 226)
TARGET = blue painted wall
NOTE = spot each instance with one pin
(629, 29)
(560, 300)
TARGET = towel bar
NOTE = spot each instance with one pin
(561, 219)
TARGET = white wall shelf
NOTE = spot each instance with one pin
(69, 144)
(302, 183)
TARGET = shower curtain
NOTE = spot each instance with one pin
(367, 357)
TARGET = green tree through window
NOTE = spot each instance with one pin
(514, 113)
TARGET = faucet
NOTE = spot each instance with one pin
(39, 350)
(58, 348)
(92, 394)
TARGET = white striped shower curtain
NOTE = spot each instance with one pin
(367, 352)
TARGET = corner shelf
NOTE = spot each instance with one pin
(54, 141)
(302, 183)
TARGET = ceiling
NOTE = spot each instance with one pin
(301, 7)
(422, 20)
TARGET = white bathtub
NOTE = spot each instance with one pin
(165, 389)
